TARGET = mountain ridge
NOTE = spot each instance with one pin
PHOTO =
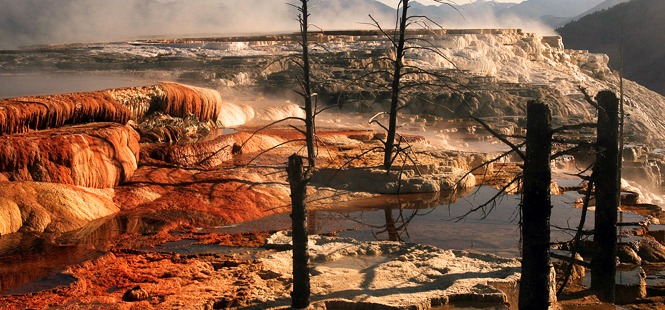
(644, 45)
(534, 9)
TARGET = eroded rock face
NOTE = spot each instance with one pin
(18, 115)
(100, 155)
(205, 197)
(212, 153)
(173, 99)
(159, 127)
(35, 206)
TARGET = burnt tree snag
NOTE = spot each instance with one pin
(536, 209)
(306, 85)
(299, 177)
(394, 97)
(298, 183)
(608, 186)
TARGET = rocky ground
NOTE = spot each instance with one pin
(185, 198)
(233, 187)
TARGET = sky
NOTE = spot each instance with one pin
(393, 3)
(103, 21)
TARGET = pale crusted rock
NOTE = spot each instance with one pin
(394, 275)
(135, 294)
(168, 134)
(34, 206)
(362, 136)
(172, 99)
(214, 152)
(628, 255)
(455, 180)
(99, 155)
(377, 180)
(577, 273)
(10, 216)
(651, 251)
(206, 154)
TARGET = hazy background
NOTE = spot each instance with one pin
(29, 22)
(393, 3)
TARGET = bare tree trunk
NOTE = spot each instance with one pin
(608, 186)
(306, 85)
(298, 183)
(394, 99)
(298, 177)
(536, 210)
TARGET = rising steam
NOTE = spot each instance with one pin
(29, 22)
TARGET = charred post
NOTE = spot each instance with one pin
(608, 185)
(536, 209)
(298, 182)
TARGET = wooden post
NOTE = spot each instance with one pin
(298, 184)
(535, 285)
(608, 186)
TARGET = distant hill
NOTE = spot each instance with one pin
(526, 15)
(644, 42)
(535, 9)
(560, 21)
(603, 6)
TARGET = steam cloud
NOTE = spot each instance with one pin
(29, 22)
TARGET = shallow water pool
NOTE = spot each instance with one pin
(431, 220)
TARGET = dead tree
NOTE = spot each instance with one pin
(608, 187)
(535, 283)
(397, 75)
(305, 83)
(400, 71)
(536, 205)
(299, 177)
(298, 180)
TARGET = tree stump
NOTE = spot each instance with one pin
(535, 285)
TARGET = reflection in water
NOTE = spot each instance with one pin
(398, 212)
(392, 229)
(470, 305)
(431, 219)
(25, 257)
